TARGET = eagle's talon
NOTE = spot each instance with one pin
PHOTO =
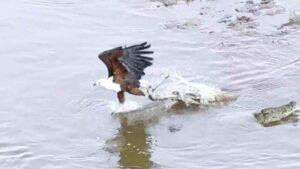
(150, 97)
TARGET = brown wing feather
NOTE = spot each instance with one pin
(114, 67)
(120, 73)
(106, 59)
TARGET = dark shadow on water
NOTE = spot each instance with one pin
(135, 146)
(132, 142)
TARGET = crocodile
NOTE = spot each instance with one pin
(275, 114)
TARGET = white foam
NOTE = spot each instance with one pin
(186, 91)
(190, 92)
(129, 105)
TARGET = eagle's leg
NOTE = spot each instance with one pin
(136, 91)
(121, 97)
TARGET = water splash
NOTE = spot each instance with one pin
(180, 89)
(129, 105)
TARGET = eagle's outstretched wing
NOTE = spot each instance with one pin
(134, 61)
(127, 63)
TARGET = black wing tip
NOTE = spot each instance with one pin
(145, 52)
(140, 46)
(144, 57)
(144, 43)
(147, 46)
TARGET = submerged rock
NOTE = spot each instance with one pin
(249, 7)
(242, 23)
(167, 2)
(269, 7)
(271, 115)
(264, 4)
(183, 24)
(225, 19)
(174, 128)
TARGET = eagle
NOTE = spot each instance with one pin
(125, 67)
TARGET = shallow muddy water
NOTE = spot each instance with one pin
(52, 117)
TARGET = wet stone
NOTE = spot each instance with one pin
(183, 25)
(170, 2)
(226, 19)
(242, 23)
(174, 129)
(249, 7)
(264, 4)
(204, 10)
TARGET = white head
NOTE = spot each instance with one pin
(108, 84)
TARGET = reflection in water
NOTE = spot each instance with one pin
(132, 144)
(134, 148)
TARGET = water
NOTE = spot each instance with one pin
(52, 116)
